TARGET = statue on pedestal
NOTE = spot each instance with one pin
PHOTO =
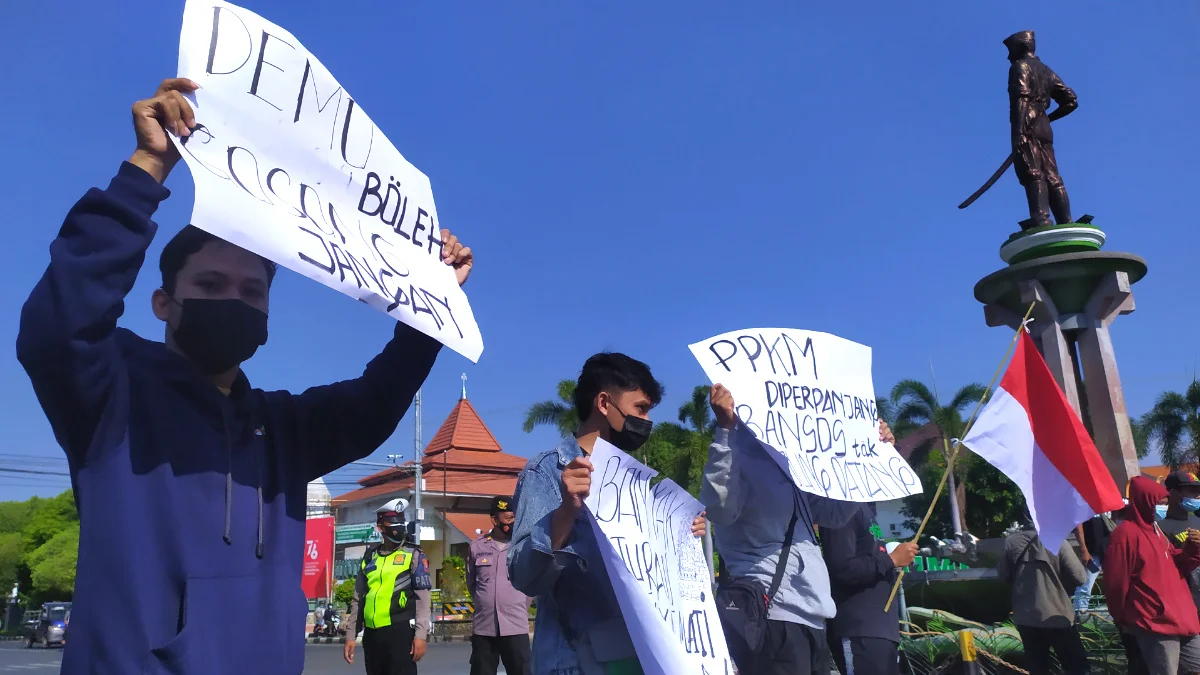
(1032, 85)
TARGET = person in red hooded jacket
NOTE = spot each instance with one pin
(1145, 582)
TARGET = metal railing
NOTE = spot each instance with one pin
(346, 569)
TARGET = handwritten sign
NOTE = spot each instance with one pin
(809, 399)
(656, 566)
(288, 165)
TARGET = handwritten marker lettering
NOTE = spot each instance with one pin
(656, 565)
(808, 398)
(288, 165)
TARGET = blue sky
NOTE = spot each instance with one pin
(637, 176)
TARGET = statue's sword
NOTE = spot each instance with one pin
(990, 182)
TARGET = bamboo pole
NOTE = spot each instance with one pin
(954, 453)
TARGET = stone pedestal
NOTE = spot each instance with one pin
(1077, 296)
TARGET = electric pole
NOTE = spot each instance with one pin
(418, 458)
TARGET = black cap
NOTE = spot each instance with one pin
(501, 504)
(1181, 479)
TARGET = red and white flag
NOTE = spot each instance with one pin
(1031, 433)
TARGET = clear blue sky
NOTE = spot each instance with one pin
(636, 176)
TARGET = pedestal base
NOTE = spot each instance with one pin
(1051, 240)
(1076, 296)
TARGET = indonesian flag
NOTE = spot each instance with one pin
(1029, 431)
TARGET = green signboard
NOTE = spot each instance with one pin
(362, 533)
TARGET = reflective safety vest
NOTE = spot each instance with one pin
(389, 583)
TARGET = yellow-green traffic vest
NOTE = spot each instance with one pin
(389, 581)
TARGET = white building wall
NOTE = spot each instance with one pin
(891, 520)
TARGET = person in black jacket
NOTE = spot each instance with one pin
(862, 637)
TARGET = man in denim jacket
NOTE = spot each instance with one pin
(554, 555)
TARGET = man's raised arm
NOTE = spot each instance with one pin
(66, 337)
(721, 490)
(346, 421)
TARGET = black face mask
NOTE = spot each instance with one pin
(395, 534)
(505, 528)
(219, 334)
(632, 435)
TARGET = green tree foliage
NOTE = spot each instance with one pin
(454, 579)
(559, 413)
(14, 515)
(39, 547)
(696, 413)
(47, 518)
(915, 407)
(677, 453)
(343, 593)
(52, 565)
(886, 411)
(12, 555)
(1141, 437)
(993, 501)
(1174, 424)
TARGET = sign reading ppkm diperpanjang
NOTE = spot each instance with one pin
(808, 397)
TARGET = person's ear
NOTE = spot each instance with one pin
(160, 304)
(603, 403)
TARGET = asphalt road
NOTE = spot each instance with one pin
(440, 659)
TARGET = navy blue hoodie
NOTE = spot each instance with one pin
(191, 503)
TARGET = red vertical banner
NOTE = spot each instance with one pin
(318, 557)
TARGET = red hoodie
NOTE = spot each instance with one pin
(1144, 575)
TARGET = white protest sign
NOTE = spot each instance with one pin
(656, 566)
(808, 397)
(289, 166)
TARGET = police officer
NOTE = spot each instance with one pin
(391, 599)
(501, 622)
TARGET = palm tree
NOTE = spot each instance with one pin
(1141, 436)
(559, 414)
(886, 411)
(916, 407)
(697, 412)
(1174, 423)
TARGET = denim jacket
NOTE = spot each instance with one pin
(579, 623)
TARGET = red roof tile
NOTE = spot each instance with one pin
(463, 430)
(906, 445)
(1159, 473)
(463, 456)
(483, 484)
(467, 523)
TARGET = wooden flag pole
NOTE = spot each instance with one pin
(954, 452)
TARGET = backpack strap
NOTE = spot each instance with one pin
(781, 567)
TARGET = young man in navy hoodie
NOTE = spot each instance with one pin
(191, 485)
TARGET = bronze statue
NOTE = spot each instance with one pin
(1031, 87)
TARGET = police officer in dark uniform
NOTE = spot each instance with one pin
(501, 621)
(391, 599)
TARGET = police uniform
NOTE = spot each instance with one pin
(500, 625)
(391, 606)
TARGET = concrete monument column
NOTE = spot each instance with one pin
(1076, 297)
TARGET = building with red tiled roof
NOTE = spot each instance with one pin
(463, 467)
(1159, 473)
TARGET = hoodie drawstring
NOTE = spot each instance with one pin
(259, 547)
(228, 482)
